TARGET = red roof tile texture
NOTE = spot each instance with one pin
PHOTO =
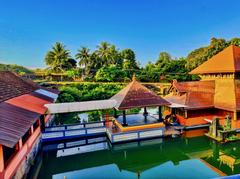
(226, 61)
(20, 107)
(30, 102)
(12, 85)
(220, 93)
(14, 123)
(136, 95)
(194, 95)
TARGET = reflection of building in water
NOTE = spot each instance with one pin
(135, 157)
(216, 94)
(225, 157)
(228, 160)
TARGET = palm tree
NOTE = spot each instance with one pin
(57, 57)
(104, 53)
(83, 56)
(115, 57)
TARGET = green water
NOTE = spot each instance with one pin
(159, 158)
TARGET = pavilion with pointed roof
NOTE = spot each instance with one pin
(216, 94)
(135, 95)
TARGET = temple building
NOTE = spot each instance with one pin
(22, 116)
(217, 94)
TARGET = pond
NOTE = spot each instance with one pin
(195, 157)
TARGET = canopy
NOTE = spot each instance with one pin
(135, 95)
(80, 106)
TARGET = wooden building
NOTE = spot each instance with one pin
(217, 94)
(22, 115)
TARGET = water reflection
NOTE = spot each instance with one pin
(186, 157)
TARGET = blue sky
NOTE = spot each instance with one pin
(28, 29)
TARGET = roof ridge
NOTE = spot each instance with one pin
(234, 60)
(219, 63)
(122, 91)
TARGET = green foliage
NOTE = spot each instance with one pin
(15, 68)
(111, 73)
(163, 59)
(65, 97)
(58, 59)
(106, 63)
(200, 55)
(74, 73)
(88, 91)
(129, 62)
(66, 118)
(83, 55)
(72, 91)
(94, 116)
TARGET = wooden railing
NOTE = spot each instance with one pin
(134, 135)
(73, 131)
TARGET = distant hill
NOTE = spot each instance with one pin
(14, 68)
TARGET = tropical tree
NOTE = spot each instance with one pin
(57, 57)
(200, 55)
(129, 61)
(83, 55)
(111, 73)
(163, 59)
(104, 53)
(116, 58)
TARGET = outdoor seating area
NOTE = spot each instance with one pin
(137, 122)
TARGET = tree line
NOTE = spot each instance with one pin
(107, 63)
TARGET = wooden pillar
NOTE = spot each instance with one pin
(20, 143)
(1, 160)
(124, 118)
(145, 111)
(185, 114)
(42, 122)
(32, 129)
(235, 116)
(145, 114)
(115, 113)
(107, 119)
(173, 111)
(160, 114)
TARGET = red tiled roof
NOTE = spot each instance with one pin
(30, 102)
(20, 106)
(221, 94)
(226, 61)
(14, 123)
(194, 95)
(137, 95)
(12, 85)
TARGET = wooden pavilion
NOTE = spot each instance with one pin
(217, 94)
(135, 95)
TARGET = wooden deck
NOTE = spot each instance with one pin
(114, 134)
(73, 131)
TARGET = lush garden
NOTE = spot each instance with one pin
(106, 63)
(86, 92)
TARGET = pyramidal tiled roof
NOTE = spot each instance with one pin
(226, 61)
(12, 85)
(136, 95)
(206, 94)
(194, 95)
